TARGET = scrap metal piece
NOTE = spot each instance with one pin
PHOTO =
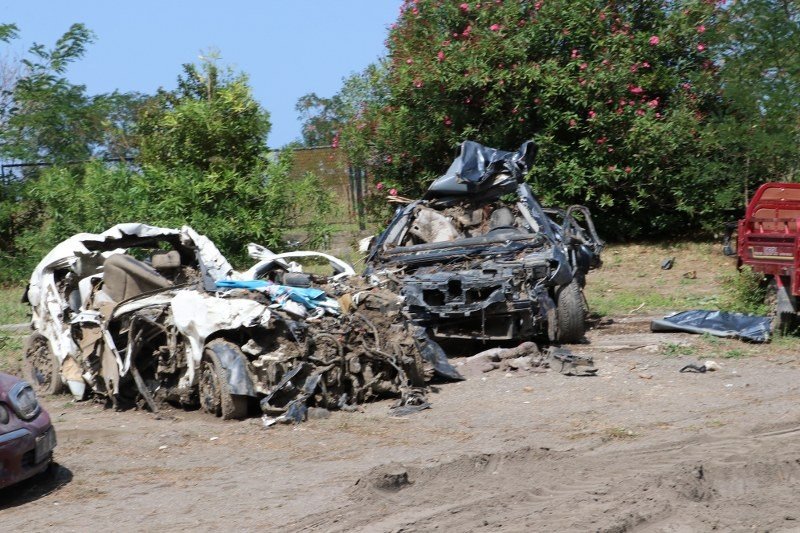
(569, 364)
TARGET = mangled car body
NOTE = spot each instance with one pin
(141, 315)
(479, 258)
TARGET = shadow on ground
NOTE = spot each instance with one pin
(36, 487)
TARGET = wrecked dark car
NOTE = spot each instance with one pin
(141, 315)
(479, 258)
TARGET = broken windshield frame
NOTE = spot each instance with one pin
(541, 232)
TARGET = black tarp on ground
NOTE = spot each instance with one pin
(718, 323)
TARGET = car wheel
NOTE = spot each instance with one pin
(41, 366)
(570, 313)
(215, 396)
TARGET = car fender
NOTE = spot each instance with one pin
(562, 272)
(235, 364)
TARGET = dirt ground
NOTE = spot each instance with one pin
(638, 447)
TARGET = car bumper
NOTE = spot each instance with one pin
(25, 453)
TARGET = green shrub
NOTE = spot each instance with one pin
(745, 291)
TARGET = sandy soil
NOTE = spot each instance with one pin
(638, 447)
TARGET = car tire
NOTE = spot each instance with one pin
(41, 366)
(213, 387)
(570, 313)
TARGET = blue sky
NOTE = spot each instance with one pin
(288, 48)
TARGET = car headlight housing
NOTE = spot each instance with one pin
(23, 401)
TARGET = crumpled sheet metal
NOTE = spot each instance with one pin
(718, 323)
(476, 164)
(66, 251)
(267, 258)
(198, 315)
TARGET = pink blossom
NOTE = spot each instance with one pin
(537, 101)
(686, 86)
(409, 61)
(645, 64)
(635, 90)
(379, 185)
(592, 114)
(602, 15)
(514, 111)
(417, 83)
(634, 67)
(335, 142)
(521, 119)
(640, 112)
(392, 192)
(658, 115)
(628, 170)
(574, 53)
(467, 31)
(653, 103)
(389, 159)
(654, 40)
(440, 56)
(495, 27)
(572, 123)
(701, 47)
(464, 7)
(701, 29)
(537, 6)
(468, 100)
(584, 66)
(448, 121)
(612, 168)
(610, 150)
(601, 140)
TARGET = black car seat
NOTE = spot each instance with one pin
(125, 277)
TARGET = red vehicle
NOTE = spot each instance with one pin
(27, 437)
(769, 242)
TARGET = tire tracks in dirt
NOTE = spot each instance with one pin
(689, 483)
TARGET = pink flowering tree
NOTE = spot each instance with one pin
(616, 95)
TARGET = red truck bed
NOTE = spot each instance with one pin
(769, 235)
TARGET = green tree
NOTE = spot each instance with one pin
(47, 118)
(210, 121)
(758, 43)
(616, 95)
(322, 119)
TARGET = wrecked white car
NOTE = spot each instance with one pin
(141, 315)
(479, 258)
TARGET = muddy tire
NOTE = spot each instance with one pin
(570, 314)
(41, 366)
(213, 387)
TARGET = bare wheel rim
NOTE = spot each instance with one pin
(209, 389)
(41, 361)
